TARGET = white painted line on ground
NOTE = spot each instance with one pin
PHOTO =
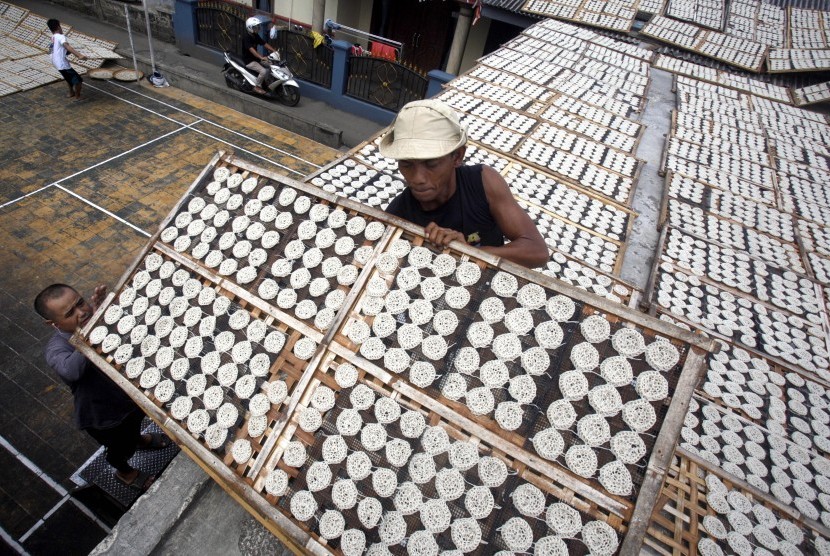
(254, 141)
(32, 466)
(206, 134)
(87, 512)
(110, 159)
(9, 540)
(102, 209)
(78, 504)
(108, 212)
(42, 520)
(29, 194)
(211, 122)
(159, 114)
(62, 492)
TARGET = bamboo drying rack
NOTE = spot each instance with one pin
(244, 482)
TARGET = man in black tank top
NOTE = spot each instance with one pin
(453, 202)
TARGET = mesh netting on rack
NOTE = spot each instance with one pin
(251, 386)
(217, 364)
(373, 468)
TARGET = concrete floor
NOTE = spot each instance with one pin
(84, 185)
(310, 118)
(642, 244)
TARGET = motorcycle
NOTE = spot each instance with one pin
(278, 84)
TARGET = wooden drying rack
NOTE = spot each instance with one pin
(244, 482)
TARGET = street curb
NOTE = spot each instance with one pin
(268, 111)
(146, 524)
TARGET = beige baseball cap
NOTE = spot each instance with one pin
(424, 129)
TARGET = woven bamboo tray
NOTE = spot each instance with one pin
(678, 527)
(304, 350)
(794, 475)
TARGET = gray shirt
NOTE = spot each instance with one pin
(99, 403)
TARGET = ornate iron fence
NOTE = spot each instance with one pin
(221, 25)
(306, 62)
(384, 83)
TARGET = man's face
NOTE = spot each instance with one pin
(69, 311)
(430, 179)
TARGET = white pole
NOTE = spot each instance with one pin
(149, 35)
(130, 33)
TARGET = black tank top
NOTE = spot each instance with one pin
(467, 211)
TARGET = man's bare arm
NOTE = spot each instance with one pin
(71, 50)
(526, 245)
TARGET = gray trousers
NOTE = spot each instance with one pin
(261, 70)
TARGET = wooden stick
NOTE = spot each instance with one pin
(663, 451)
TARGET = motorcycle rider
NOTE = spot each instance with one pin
(255, 61)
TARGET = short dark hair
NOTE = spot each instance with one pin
(50, 292)
(53, 25)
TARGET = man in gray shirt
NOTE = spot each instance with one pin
(101, 408)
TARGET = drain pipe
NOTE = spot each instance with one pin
(156, 78)
(130, 34)
(149, 35)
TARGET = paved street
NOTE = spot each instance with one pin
(83, 186)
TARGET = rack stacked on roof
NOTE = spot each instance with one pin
(25, 41)
(615, 15)
(739, 52)
(553, 111)
(726, 79)
(811, 94)
(788, 40)
(757, 21)
(706, 13)
(708, 512)
(743, 222)
(357, 389)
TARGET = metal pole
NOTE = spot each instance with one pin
(317, 15)
(149, 35)
(130, 33)
(359, 33)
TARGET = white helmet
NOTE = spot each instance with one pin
(252, 24)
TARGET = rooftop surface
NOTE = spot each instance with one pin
(145, 146)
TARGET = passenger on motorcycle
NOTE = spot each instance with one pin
(255, 61)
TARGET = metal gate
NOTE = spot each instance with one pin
(384, 83)
(307, 63)
(221, 25)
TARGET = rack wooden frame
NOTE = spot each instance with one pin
(740, 293)
(636, 515)
(678, 519)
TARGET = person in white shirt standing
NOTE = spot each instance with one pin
(59, 50)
